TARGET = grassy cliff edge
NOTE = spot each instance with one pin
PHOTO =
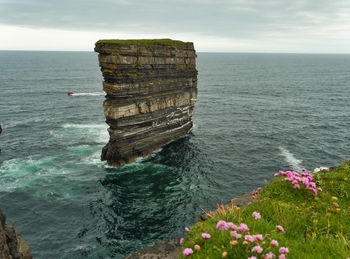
(298, 215)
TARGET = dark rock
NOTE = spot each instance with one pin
(12, 246)
(160, 250)
(151, 88)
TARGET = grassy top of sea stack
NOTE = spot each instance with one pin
(298, 215)
(162, 43)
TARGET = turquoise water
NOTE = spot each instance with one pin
(255, 114)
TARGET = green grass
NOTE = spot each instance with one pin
(313, 226)
(162, 43)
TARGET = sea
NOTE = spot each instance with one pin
(255, 114)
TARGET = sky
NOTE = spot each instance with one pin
(287, 26)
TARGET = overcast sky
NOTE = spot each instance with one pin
(306, 26)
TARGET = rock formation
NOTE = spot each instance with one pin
(151, 89)
(12, 246)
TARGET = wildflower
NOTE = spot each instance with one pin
(187, 229)
(252, 257)
(334, 198)
(243, 228)
(259, 189)
(283, 250)
(233, 242)
(221, 225)
(206, 235)
(245, 243)
(224, 254)
(249, 203)
(270, 255)
(249, 238)
(235, 235)
(335, 204)
(304, 170)
(197, 247)
(258, 237)
(181, 240)
(276, 174)
(282, 256)
(279, 228)
(337, 210)
(257, 249)
(256, 215)
(274, 243)
(319, 189)
(296, 186)
(187, 251)
(313, 190)
(231, 226)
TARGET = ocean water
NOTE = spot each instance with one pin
(255, 114)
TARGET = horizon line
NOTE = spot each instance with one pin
(213, 52)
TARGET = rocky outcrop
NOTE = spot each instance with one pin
(151, 89)
(160, 250)
(12, 246)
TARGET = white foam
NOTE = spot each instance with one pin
(85, 126)
(291, 159)
(89, 94)
(320, 169)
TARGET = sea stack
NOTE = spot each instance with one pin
(151, 89)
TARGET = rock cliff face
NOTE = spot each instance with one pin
(12, 246)
(151, 89)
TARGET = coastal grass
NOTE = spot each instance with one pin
(313, 226)
(162, 43)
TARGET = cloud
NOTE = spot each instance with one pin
(234, 20)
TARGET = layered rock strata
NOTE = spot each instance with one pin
(12, 245)
(151, 89)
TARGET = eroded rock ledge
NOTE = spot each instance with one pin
(151, 89)
(12, 245)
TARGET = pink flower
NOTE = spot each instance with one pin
(222, 225)
(257, 249)
(181, 240)
(230, 225)
(235, 235)
(258, 237)
(313, 190)
(243, 228)
(187, 229)
(259, 189)
(296, 186)
(282, 256)
(276, 174)
(279, 228)
(304, 170)
(249, 203)
(197, 247)
(249, 238)
(319, 189)
(270, 255)
(335, 204)
(256, 215)
(206, 235)
(252, 257)
(283, 250)
(187, 251)
(274, 243)
(294, 182)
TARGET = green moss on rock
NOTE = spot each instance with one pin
(163, 43)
